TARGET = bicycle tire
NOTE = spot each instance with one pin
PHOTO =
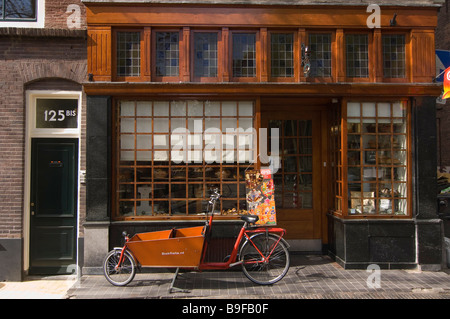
(265, 273)
(125, 273)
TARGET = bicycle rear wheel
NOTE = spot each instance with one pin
(122, 275)
(258, 270)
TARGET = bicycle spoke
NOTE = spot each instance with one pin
(262, 263)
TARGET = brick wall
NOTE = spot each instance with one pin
(443, 110)
(59, 12)
(23, 61)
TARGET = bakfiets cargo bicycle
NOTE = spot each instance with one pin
(262, 251)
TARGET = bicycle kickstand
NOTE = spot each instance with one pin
(175, 289)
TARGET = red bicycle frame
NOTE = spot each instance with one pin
(243, 232)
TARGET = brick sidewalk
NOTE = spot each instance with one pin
(309, 277)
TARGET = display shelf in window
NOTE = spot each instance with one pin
(377, 158)
(154, 180)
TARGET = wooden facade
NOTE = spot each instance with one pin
(318, 106)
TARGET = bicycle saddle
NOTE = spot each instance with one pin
(250, 218)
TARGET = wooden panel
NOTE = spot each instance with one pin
(99, 53)
(423, 56)
(328, 89)
(270, 16)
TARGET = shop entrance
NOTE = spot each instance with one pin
(298, 185)
(53, 205)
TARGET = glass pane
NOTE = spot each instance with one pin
(384, 109)
(353, 109)
(394, 55)
(305, 182)
(167, 53)
(127, 109)
(244, 55)
(282, 54)
(399, 109)
(357, 55)
(290, 128)
(195, 108)
(126, 125)
(143, 125)
(246, 108)
(126, 174)
(127, 141)
(305, 200)
(144, 142)
(205, 54)
(144, 109)
(178, 207)
(128, 53)
(20, 9)
(368, 110)
(305, 128)
(161, 108)
(320, 54)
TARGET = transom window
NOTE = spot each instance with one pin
(171, 153)
(205, 54)
(128, 54)
(18, 10)
(394, 61)
(244, 55)
(320, 48)
(282, 54)
(357, 54)
(167, 54)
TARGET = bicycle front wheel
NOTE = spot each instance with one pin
(265, 259)
(122, 275)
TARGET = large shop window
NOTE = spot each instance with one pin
(171, 153)
(377, 158)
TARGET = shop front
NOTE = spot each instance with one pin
(188, 97)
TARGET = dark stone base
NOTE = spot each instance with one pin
(11, 259)
(391, 244)
(355, 244)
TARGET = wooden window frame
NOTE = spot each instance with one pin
(380, 61)
(220, 57)
(344, 160)
(370, 57)
(143, 57)
(181, 55)
(153, 165)
(332, 77)
(296, 56)
(257, 77)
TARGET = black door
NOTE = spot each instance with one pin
(53, 206)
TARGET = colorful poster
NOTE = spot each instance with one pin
(446, 94)
(260, 192)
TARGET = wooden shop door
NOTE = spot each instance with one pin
(298, 189)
